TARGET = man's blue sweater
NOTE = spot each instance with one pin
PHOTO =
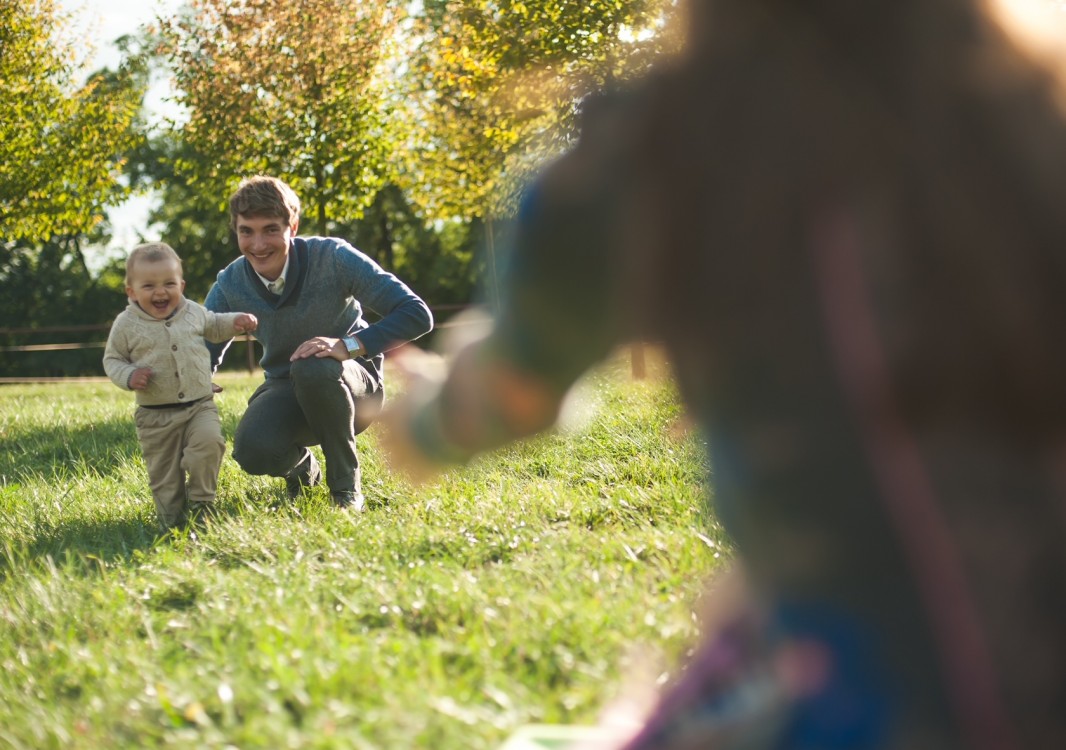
(327, 286)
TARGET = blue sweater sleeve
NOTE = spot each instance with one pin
(403, 315)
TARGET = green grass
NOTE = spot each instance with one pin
(510, 591)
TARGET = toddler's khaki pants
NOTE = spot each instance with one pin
(183, 448)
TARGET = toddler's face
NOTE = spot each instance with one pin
(157, 286)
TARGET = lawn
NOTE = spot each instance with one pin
(519, 589)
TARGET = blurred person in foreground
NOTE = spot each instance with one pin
(156, 349)
(845, 222)
(322, 361)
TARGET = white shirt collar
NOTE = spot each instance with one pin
(284, 273)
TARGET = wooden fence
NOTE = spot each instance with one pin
(637, 353)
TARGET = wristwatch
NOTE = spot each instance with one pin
(354, 346)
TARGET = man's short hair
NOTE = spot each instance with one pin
(261, 196)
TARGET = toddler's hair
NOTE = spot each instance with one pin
(150, 251)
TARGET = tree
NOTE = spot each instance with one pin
(497, 84)
(46, 286)
(495, 87)
(195, 221)
(64, 139)
(62, 144)
(295, 89)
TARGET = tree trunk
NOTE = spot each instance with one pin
(494, 284)
(387, 258)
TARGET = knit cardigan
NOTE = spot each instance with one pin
(174, 349)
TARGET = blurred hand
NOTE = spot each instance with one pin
(419, 374)
(489, 403)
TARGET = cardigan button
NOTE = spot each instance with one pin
(174, 348)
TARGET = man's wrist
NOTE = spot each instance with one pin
(354, 346)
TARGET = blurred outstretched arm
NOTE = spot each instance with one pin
(560, 313)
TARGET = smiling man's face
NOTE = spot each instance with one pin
(264, 241)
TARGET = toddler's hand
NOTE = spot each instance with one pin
(246, 322)
(139, 378)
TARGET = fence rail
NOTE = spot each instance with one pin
(637, 355)
(22, 331)
(100, 344)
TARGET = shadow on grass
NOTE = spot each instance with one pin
(88, 545)
(83, 545)
(101, 446)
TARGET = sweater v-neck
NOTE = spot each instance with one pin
(293, 278)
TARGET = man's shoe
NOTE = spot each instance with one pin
(306, 474)
(349, 500)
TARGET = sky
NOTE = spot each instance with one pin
(105, 20)
(101, 22)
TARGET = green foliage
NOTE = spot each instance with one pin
(496, 87)
(62, 145)
(194, 221)
(47, 287)
(290, 89)
(515, 590)
(408, 136)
